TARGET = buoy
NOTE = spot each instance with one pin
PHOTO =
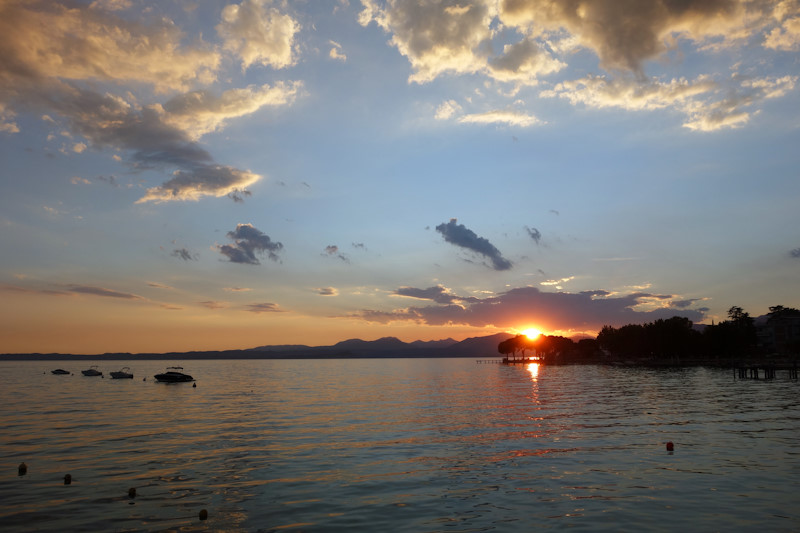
(23, 469)
(132, 492)
(670, 446)
(67, 479)
(203, 514)
(194, 385)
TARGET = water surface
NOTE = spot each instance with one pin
(397, 445)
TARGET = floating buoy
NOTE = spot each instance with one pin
(67, 479)
(203, 514)
(23, 469)
(132, 492)
(194, 385)
(670, 446)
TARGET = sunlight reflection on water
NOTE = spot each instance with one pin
(400, 445)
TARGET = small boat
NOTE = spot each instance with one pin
(124, 373)
(173, 375)
(59, 372)
(92, 371)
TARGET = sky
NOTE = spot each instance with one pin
(208, 175)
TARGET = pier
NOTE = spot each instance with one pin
(764, 371)
(507, 361)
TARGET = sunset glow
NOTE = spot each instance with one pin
(223, 175)
(531, 333)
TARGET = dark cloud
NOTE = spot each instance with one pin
(111, 180)
(264, 308)
(438, 294)
(795, 253)
(534, 234)
(248, 242)
(589, 310)
(459, 235)
(333, 251)
(100, 291)
(183, 253)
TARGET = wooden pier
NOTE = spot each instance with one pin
(507, 361)
(764, 371)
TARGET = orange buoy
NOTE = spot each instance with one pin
(67, 479)
(670, 446)
(203, 514)
(23, 469)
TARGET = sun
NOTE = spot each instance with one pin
(531, 333)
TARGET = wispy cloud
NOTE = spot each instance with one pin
(264, 308)
(183, 253)
(327, 291)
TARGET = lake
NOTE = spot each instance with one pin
(407, 445)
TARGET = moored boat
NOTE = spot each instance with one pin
(92, 371)
(124, 373)
(59, 372)
(173, 375)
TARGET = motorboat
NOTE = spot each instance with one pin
(92, 371)
(59, 372)
(173, 375)
(124, 373)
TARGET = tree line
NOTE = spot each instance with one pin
(673, 340)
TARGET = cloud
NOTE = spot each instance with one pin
(534, 234)
(199, 112)
(237, 289)
(437, 294)
(211, 304)
(447, 109)
(333, 251)
(509, 117)
(248, 242)
(264, 308)
(158, 285)
(336, 52)
(327, 291)
(560, 311)
(436, 37)
(47, 40)
(183, 253)
(53, 54)
(795, 253)
(100, 291)
(459, 235)
(258, 33)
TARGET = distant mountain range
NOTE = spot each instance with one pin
(389, 347)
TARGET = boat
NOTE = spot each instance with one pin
(59, 371)
(124, 373)
(92, 371)
(173, 375)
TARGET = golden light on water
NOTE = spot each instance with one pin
(533, 368)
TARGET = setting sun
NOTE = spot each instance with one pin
(531, 333)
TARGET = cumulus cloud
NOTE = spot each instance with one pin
(461, 236)
(211, 304)
(336, 52)
(521, 42)
(583, 311)
(50, 50)
(795, 253)
(259, 33)
(249, 241)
